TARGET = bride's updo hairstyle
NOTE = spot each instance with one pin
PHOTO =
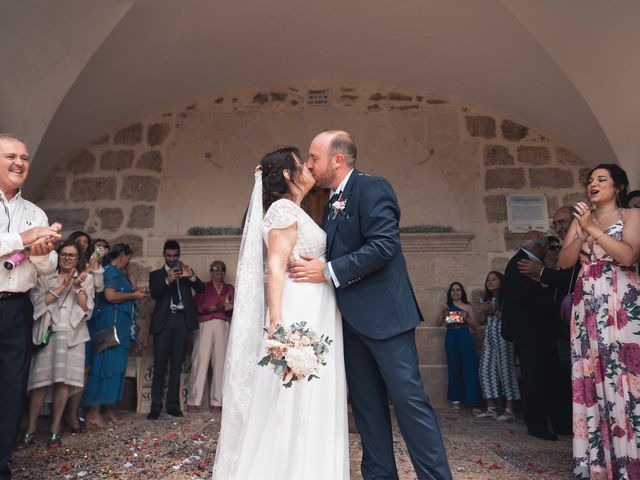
(274, 185)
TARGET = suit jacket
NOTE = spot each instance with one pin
(562, 281)
(161, 293)
(375, 295)
(528, 311)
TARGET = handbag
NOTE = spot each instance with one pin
(44, 341)
(106, 338)
(567, 301)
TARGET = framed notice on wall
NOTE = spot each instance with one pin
(527, 212)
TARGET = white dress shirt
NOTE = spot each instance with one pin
(18, 215)
(339, 190)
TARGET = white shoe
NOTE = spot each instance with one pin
(507, 416)
(455, 406)
(489, 413)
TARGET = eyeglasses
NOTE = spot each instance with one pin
(218, 269)
(555, 247)
(68, 255)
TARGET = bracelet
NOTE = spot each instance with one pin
(79, 291)
(53, 293)
(599, 237)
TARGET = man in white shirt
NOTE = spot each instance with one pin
(22, 225)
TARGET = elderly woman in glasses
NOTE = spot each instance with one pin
(62, 303)
(214, 308)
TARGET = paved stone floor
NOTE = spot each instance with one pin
(184, 449)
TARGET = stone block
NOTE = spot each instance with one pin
(131, 135)
(71, 218)
(497, 155)
(157, 133)
(512, 178)
(550, 177)
(150, 161)
(496, 208)
(138, 187)
(116, 160)
(134, 241)
(571, 199)
(84, 162)
(566, 156)
(499, 264)
(140, 273)
(442, 128)
(430, 345)
(92, 189)
(481, 126)
(55, 190)
(534, 155)
(512, 241)
(513, 131)
(583, 176)
(142, 216)
(110, 218)
(102, 141)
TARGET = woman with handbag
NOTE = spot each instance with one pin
(73, 419)
(62, 304)
(114, 316)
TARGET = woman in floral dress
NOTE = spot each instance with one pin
(605, 329)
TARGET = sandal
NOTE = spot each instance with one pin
(54, 443)
(26, 440)
(70, 428)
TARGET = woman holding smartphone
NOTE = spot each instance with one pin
(457, 315)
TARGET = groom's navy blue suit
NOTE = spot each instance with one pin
(380, 313)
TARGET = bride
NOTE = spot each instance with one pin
(268, 431)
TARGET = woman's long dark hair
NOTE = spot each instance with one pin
(119, 248)
(82, 262)
(488, 294)
(273, 164)
(73, 236)
(463, 296)
(620, 181)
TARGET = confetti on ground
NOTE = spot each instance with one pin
(185, 450)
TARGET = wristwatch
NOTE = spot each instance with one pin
(326, 273)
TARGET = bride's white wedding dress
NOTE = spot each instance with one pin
(301, 432)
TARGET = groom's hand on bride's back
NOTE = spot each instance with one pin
(309, 269)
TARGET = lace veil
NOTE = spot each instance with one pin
(244, 340)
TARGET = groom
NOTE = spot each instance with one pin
(379, 311)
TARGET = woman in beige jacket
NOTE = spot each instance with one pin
(62, 304)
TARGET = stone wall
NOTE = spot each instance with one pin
(451, 164)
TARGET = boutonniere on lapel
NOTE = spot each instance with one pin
(338, 206)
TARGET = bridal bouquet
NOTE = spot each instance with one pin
(295, 353)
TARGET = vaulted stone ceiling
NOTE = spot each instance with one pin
(74, 69)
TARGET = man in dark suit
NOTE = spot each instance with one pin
(174, 316)
(561, 282)
(379, 311)
(529, 321)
